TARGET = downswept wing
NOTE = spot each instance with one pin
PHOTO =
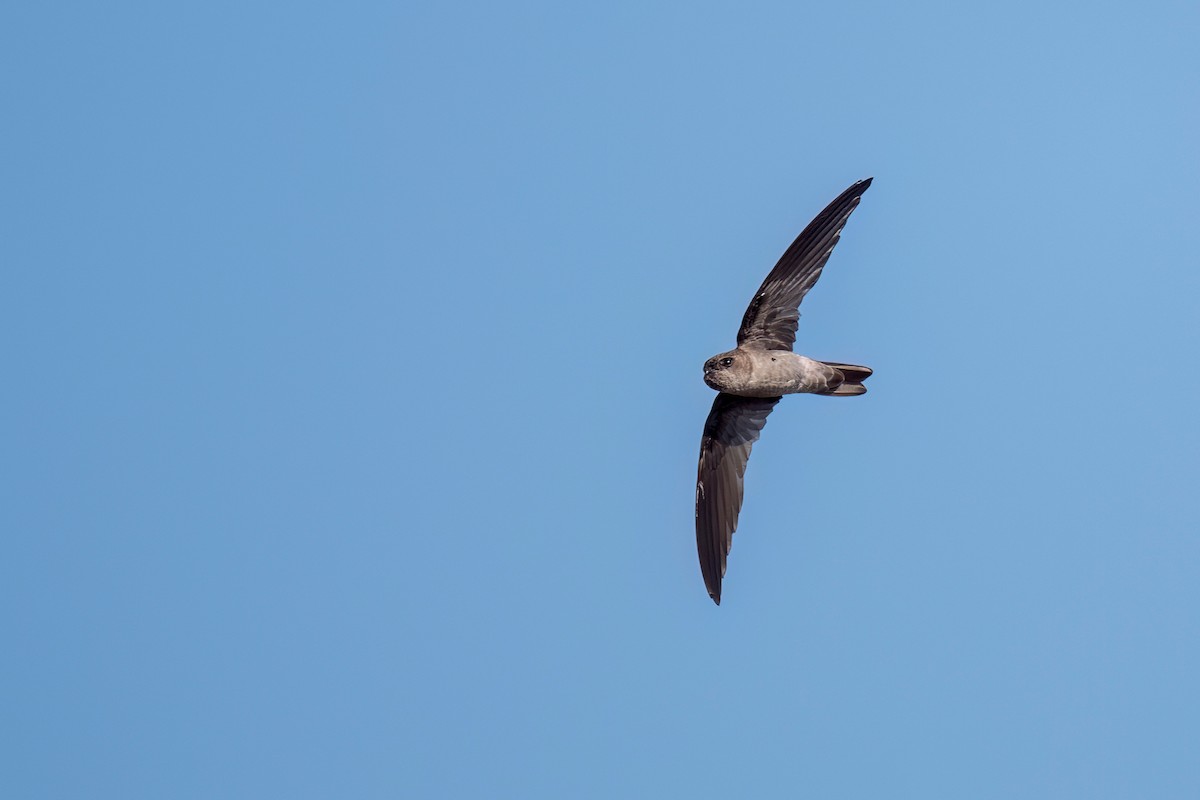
(770, 321)
(732, 428)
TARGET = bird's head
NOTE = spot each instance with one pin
(719, 370)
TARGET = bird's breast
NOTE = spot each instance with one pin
(771, 373)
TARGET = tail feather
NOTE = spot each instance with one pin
(852, 383)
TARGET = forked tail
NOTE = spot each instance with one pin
(853, 383)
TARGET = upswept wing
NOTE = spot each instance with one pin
(770, 321)
(732, 428)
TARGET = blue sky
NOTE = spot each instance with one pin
(353, 401)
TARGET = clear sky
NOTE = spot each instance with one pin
(352, 399)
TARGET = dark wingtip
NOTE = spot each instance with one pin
(851, 195)
(716, 598)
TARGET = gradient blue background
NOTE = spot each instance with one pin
(352, 399)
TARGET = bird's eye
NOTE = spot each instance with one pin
(725, 362)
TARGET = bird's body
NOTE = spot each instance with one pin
(754, 377)
(771, 373)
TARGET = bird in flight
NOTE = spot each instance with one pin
(752, 378)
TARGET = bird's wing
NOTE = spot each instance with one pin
(770, 321)
(732, 428)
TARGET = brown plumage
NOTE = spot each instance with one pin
(752, 378)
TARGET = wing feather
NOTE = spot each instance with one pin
(771, 319)
(733, 426)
